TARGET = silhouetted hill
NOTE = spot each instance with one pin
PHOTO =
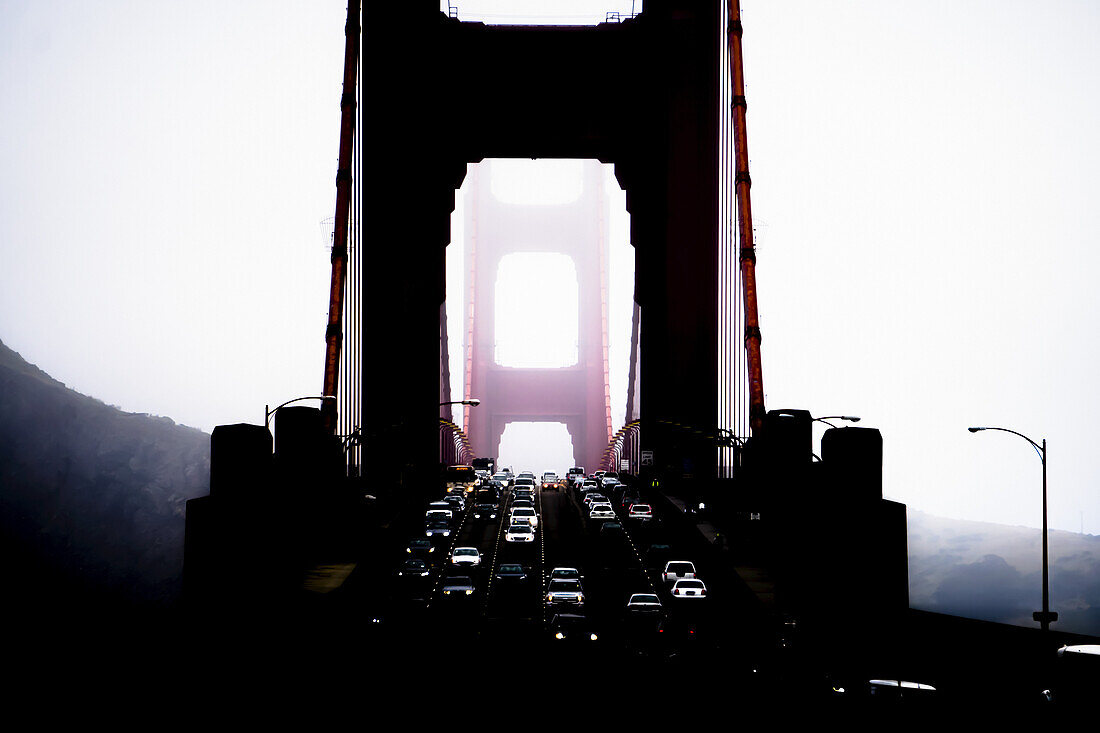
(91, 498)
(993, 572)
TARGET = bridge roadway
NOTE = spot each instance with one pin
(503, 630)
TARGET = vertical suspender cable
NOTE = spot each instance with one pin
(744, 218)
(334, 333)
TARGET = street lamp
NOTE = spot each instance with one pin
(1044, 617)
(827, 418)
(269, 413)
(472, 402)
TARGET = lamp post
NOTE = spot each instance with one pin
(1044, 617)
(268, 413)
(827, 418)
(472, 402)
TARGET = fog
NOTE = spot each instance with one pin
(923, 187)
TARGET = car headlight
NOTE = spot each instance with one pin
(592, 637)
(469, 592)
(424, 574)
(446, 593)
(559, 635)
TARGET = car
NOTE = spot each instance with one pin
(601, 511)
(457, 502)
(505, 479)
(572, 627)
(689, 588)
(565, 591)
(485, 511)
(644, 512)
(644, 604)
(457, 586)
(592, 496)
(523, 502)
(519, 532)
(550, 481)
(446, 505)
(657, 554)
(526, 514)
(414, 567)
(511, 573)
(468, 556)
(523, 492)
(565, 574)
(420, 547)
(588, 484)
(678, 570)
(611, 529)
(440, 527)
(676, 631)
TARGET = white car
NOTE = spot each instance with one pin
(565, 574)
(524, 514)
(468, 556)
(640, 511)
(678, 570)
(643, 602)
(601, 511)
(691, 588)
(594, 497)
(565, 591)
(438, 514)
(521, 532)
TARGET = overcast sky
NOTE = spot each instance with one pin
(924, 178)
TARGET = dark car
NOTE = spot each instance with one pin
(420, 547)
(485, 511)
(414, 567)
(657, 555)
(437, 527)
(572, 628)
(610, 530)
(511, 574)
(458, 587)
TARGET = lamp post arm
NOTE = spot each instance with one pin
(1040, 450)
(268, 413)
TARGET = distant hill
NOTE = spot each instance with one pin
(91, 498)
(993, 572)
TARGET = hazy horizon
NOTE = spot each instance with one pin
(922, 186)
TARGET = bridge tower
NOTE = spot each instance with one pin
(578, 394)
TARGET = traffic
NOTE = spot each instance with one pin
(580, 565)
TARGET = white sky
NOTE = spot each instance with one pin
(924, 177)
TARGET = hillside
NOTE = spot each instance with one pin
(993, 572)
(91, 497)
